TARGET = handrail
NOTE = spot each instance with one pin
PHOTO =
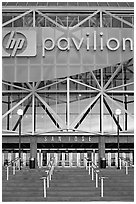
(96, 170)
(13, 161)
(46, 179)
(127, 161)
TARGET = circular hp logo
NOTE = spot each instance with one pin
(14, 43)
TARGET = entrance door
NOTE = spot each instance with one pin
(66, 159)
(74, 159)
(59, 159)
(63, 159)
(81, 160)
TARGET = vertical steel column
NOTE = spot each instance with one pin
(68, 100)
(33, 18)
(101, 19)
(101, 137)
(20, 142)
(118, 139)
(33, 139)
(125, 97)
(101, 104)
(8, 116)
(33, 115)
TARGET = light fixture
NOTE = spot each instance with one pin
(20, 112)
(118, 112)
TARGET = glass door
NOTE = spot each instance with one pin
(74, 159)
(81, 159)
(66, 159)
(59, 159)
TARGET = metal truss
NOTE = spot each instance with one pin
(101, 93)
(63, 27)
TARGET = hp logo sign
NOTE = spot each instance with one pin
(19, 43)
(14, 43)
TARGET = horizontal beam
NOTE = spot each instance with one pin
(58, 9)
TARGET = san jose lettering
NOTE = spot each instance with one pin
(67, 139)
(98, 43)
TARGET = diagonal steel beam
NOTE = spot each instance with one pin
(55, 23)
(56, 117)
(29, 85)
(84, 116)
(93, 75)
(112, 115)
(14, 107)
(83, 21)
(79, 117)
(24, 112)
(16, 18)
(12, 85)
(120, 106)
(54, 83)
(112, 77)
(50, 115)
(81, 83)
(128, 84)
(120, 19)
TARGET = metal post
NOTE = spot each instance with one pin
(20, 145)
(7, 173)
(44, 181)
(68, 100)
(102, 187)
(50, 175)
(86, 164)
(14, 168)
(89, 167)
(118, 138)
(96, 179)
(126, 168)
(48, 182)
(120, 163)
(92, 173)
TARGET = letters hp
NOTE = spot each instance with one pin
(14, 44)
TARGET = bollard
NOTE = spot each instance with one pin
(96, 183)
(48, 185)
(86, 166)
(50, 175)
(44, 180)
(14, 168)
(7, 173)
(89, 167)
(120, 164)
(92, 173)
(102, 187)
(44, 186)
(126, 168)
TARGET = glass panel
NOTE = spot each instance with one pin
(128, 19)
(106, 21)
(116, 23)
(59, 159)
(28, 20)
(112, 159)
(44, 162)
(66, 158)
(5, 19)
(81, 159)
(74, 159)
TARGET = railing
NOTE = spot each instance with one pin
(46, 179)
(127, 162)
(97, 172)
(13, 164)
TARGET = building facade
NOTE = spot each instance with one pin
(68, 66)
